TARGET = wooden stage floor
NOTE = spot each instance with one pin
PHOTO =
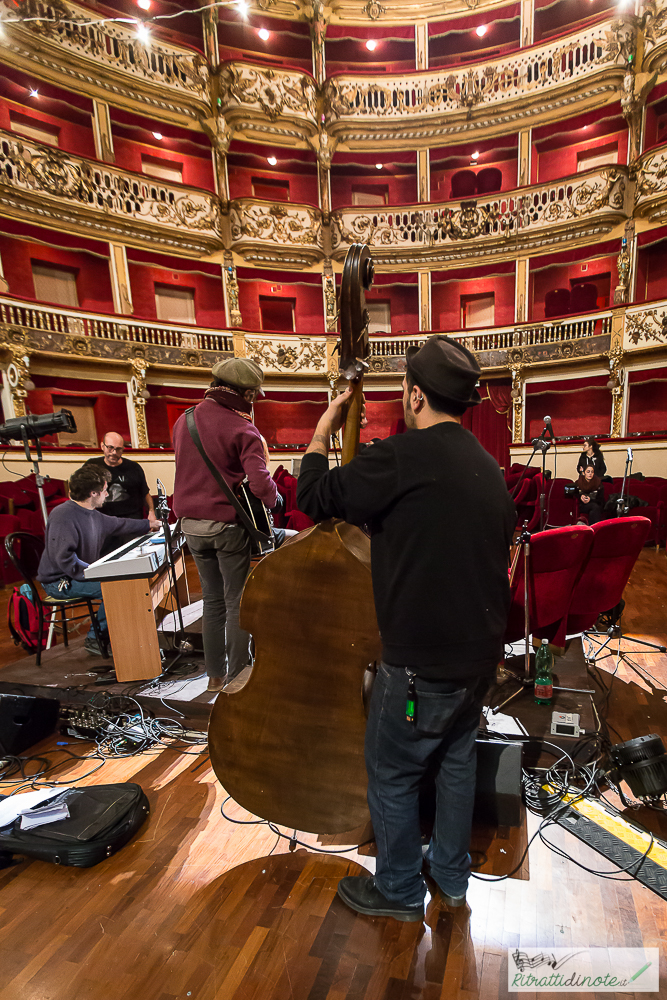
(197, 907)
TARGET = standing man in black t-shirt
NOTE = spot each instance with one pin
(441, 523)
(128, 489)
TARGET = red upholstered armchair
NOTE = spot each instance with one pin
(464, 184)
(489, 180)
(557, 302)
(655, 511)
(583, 297)
(9, 523)
(614, 551)
(556, 560)
(560, 509)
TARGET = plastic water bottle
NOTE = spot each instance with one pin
(544, 662)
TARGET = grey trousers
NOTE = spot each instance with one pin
(223, 563)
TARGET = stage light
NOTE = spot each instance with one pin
(378, 166)
(243, 8)
(481, 30)
(34, 93)
(157, 135)
(272, 160)
(143, 34)
(264, 34)
(144, 4)
(37, 425)
(371, 45)
(642, 763)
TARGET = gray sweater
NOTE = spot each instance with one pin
(75, 536)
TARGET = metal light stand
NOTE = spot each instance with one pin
(621, 507)
(162, 513)
(39, 479)
(526, 681)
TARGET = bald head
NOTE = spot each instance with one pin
(112, 448)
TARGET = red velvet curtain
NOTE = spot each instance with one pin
(490, 422)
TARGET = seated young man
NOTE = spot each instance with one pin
(75, 533)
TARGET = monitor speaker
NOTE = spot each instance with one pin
(25, 721)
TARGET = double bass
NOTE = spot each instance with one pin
(289, 745)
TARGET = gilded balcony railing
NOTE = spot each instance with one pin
(426, 98)
(592, 202)
(249, 94)
(27, 317)
(90, 39)
(287, 235)
(651, 185)
(285, 355)
(42, 183)
(646, 326)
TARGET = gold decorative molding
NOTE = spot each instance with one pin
(138, 396)
(45, 184)
(231, 291)
(277, 103)
(645, 326)
(259, 229)
(289, 354)
(516, 395)
(17, 372)
(616, 383)
(329, 291)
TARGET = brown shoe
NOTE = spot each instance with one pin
(215, 683)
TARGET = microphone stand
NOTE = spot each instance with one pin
(621, 508)
(162, 513)
(541, 443)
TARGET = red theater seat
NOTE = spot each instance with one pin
(464, 184)
(556, 303)
(489, 180)
(583, 298)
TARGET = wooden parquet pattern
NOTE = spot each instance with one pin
(197, 907)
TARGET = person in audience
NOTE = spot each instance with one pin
(591, 496)
(128, 489)
(220, 546)
(75, 533)
(592, 455)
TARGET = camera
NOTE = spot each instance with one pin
(571, 490)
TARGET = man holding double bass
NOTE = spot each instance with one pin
(441, 523)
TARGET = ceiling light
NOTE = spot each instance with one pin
(34, 93)
(243, 8)
(474, 156)
(481, 30)
(157, 135)
(144, 4)
(378, 166)
(264, 34)
(272, 160)
(143, 33)
(371, 45)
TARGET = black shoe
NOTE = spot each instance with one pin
(91, 645)
(360, 893)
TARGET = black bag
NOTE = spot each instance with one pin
(102, 818)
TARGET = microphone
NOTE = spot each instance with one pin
(547, 420)
(629, 454)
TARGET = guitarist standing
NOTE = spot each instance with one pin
(219, 544)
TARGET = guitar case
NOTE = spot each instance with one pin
(102, 819)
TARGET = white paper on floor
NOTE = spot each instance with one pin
(191, 613)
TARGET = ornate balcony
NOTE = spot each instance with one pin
(285, 355)
(95, 336)
(284, 235)
(651, 189)
(529, 343)
(46, 185)
(274, 105)
(581, 71)
(106, 61)
(535, 219)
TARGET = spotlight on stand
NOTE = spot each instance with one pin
(31, 428)
(37, 425)
(642, 763)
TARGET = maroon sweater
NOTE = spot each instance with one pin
(235, 448)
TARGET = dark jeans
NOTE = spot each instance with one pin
(592, 510)
(223, 563)
(82, 588)
(397, 755)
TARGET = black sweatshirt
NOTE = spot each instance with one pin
(441, 523)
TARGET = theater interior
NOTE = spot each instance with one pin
(180, 184)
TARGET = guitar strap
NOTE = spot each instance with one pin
(257, 536)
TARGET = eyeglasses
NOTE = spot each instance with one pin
(107, 447)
